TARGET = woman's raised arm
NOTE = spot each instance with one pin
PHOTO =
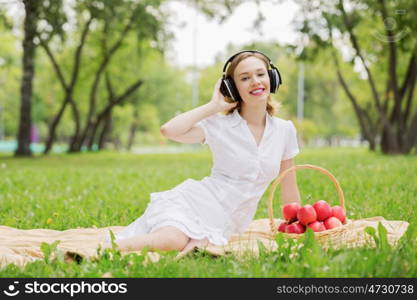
(179, 125)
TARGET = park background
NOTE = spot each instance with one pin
(86, 85)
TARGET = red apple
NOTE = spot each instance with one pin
(295, 228)
(282, 227)
(332, 222)
(323, 210)
(317, 226)
(290, 210)
(339, 213)
(307, 215)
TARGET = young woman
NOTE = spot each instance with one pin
(249, 147)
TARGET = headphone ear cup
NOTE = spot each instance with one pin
(223, 88)
(273, 80)
(228, 89)
(235, 92)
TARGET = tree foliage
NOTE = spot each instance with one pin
(375, 38)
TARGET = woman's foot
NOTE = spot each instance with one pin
(192, 245)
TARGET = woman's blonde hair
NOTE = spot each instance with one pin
(272, 106)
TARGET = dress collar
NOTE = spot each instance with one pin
(236, 118)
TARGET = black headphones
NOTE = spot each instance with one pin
(228, 86)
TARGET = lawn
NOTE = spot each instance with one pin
(106, 189)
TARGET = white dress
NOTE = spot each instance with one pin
(225, 202)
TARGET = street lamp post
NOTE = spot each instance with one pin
(195, 72)
(300, 96)
(300, 101)
(1, 124)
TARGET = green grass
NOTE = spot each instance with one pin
(107, 189)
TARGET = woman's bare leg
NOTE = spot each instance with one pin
(165, 238)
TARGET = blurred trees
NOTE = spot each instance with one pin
(113, 23)
(101, 74)
(377, 39)
(102, 77)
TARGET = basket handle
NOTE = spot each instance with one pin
(283, 174)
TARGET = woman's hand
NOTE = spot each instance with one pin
(218, 101)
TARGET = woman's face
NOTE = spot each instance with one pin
(252, 80)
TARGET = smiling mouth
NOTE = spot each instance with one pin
(257, 92)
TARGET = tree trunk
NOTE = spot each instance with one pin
(53, 127)
(133, 129)
(105, 131)
(76, 114)
(25, 123)
(372, 145)
(92, 136)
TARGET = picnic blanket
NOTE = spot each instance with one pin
(21, 246)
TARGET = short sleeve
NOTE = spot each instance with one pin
(291, 145)
(211, 127)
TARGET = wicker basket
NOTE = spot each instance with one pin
(334, 236)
